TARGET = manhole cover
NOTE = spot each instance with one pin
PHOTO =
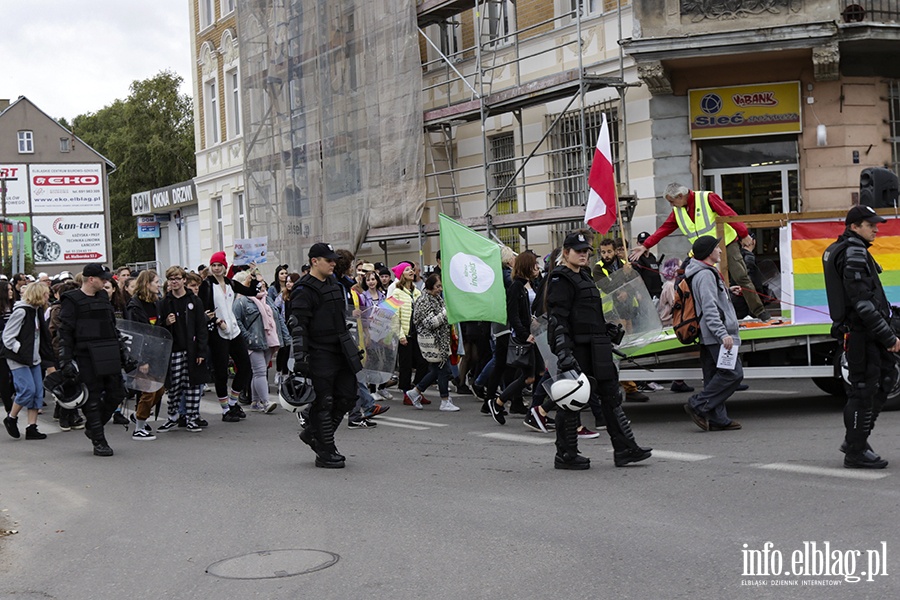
(272, 564)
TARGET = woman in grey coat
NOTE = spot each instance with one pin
(265, 332)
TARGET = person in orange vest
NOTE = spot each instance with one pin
(694, 213)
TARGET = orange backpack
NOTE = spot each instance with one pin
(685, 317)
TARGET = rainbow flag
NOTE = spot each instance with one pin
(808, 242)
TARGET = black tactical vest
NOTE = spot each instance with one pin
(328, 319)
(95, 320)
(586, 316)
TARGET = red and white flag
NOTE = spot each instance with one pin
(600, 213)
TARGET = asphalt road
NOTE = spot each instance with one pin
(451, 505)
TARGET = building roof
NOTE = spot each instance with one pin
(110, 166)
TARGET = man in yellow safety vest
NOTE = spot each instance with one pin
(694, 213)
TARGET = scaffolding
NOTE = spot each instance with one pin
(490, 77)
(354, 109)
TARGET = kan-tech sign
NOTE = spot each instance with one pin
(745, 110)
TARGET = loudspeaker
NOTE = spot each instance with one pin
(878, 188)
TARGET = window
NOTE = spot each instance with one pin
(227, 7)
(220, 227)
(569, 171)
(207, 13)
(232, 104)
(502, 169)
(500, 22)
(242, 226)
(26, 142)
(450, 36)
(894, 119)
(212, 113)
(64, 145)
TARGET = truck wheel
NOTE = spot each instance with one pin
(831, 385)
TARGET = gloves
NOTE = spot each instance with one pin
(129, 364)
(616, 332)
(567, 362)
(69, 369)
(301, 364)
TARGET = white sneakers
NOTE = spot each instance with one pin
(448, 406)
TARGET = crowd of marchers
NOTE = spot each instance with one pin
(229, 330)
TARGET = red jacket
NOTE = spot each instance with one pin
(715, 202)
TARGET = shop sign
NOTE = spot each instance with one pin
(745, 110)
(147, 227)
(164, 199)
(60, 189)
(69, 239)
(16, 183)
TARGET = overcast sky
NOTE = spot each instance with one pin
(71, 57)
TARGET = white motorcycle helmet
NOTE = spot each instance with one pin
(68, 394)
(570, 391)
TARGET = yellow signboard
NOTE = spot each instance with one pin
(742, 110)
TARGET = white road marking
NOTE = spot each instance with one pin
(828, 472)
(685, 456)
(768, 392)
(512, 437)
(401, 425)
(382, 419)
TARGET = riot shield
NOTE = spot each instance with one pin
(539, 331)
(378, 336)
(626, 301)
(151, 348)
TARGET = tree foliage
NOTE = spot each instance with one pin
(149, 136)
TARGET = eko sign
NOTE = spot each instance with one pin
(163, 200)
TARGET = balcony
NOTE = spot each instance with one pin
(871, 11)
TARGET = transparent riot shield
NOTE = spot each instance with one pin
(378, 326)
(151, 348)
(539, 331)
(626, 301)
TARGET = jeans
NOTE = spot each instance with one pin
(439, 372)
(29, 386)
(364, 402)
(718, 386)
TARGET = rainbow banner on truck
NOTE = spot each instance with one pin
(809, 240)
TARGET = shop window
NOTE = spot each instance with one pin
(26, 142)
(502, 169)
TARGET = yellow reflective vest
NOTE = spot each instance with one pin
(703, 222)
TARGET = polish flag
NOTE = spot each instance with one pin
(600, 213)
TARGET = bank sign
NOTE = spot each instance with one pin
(744, 110)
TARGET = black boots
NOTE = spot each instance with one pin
(867, 459)
(626, 448)
(98, 439)
(567, 456)
(327, 456)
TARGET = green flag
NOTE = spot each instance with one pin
(472, 275)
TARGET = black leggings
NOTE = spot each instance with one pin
(6, 385)
(220, 349)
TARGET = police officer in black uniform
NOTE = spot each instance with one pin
(91, 350)
(861, 315)
(318, 328)
(579, 336)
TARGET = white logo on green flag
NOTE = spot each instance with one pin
(470, 273)
(473, 280)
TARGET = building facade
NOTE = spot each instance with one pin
(776, 105)
(220, 213)
(56, 191)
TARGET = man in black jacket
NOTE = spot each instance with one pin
(91, 350)
(317, 323)
(861, 314)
